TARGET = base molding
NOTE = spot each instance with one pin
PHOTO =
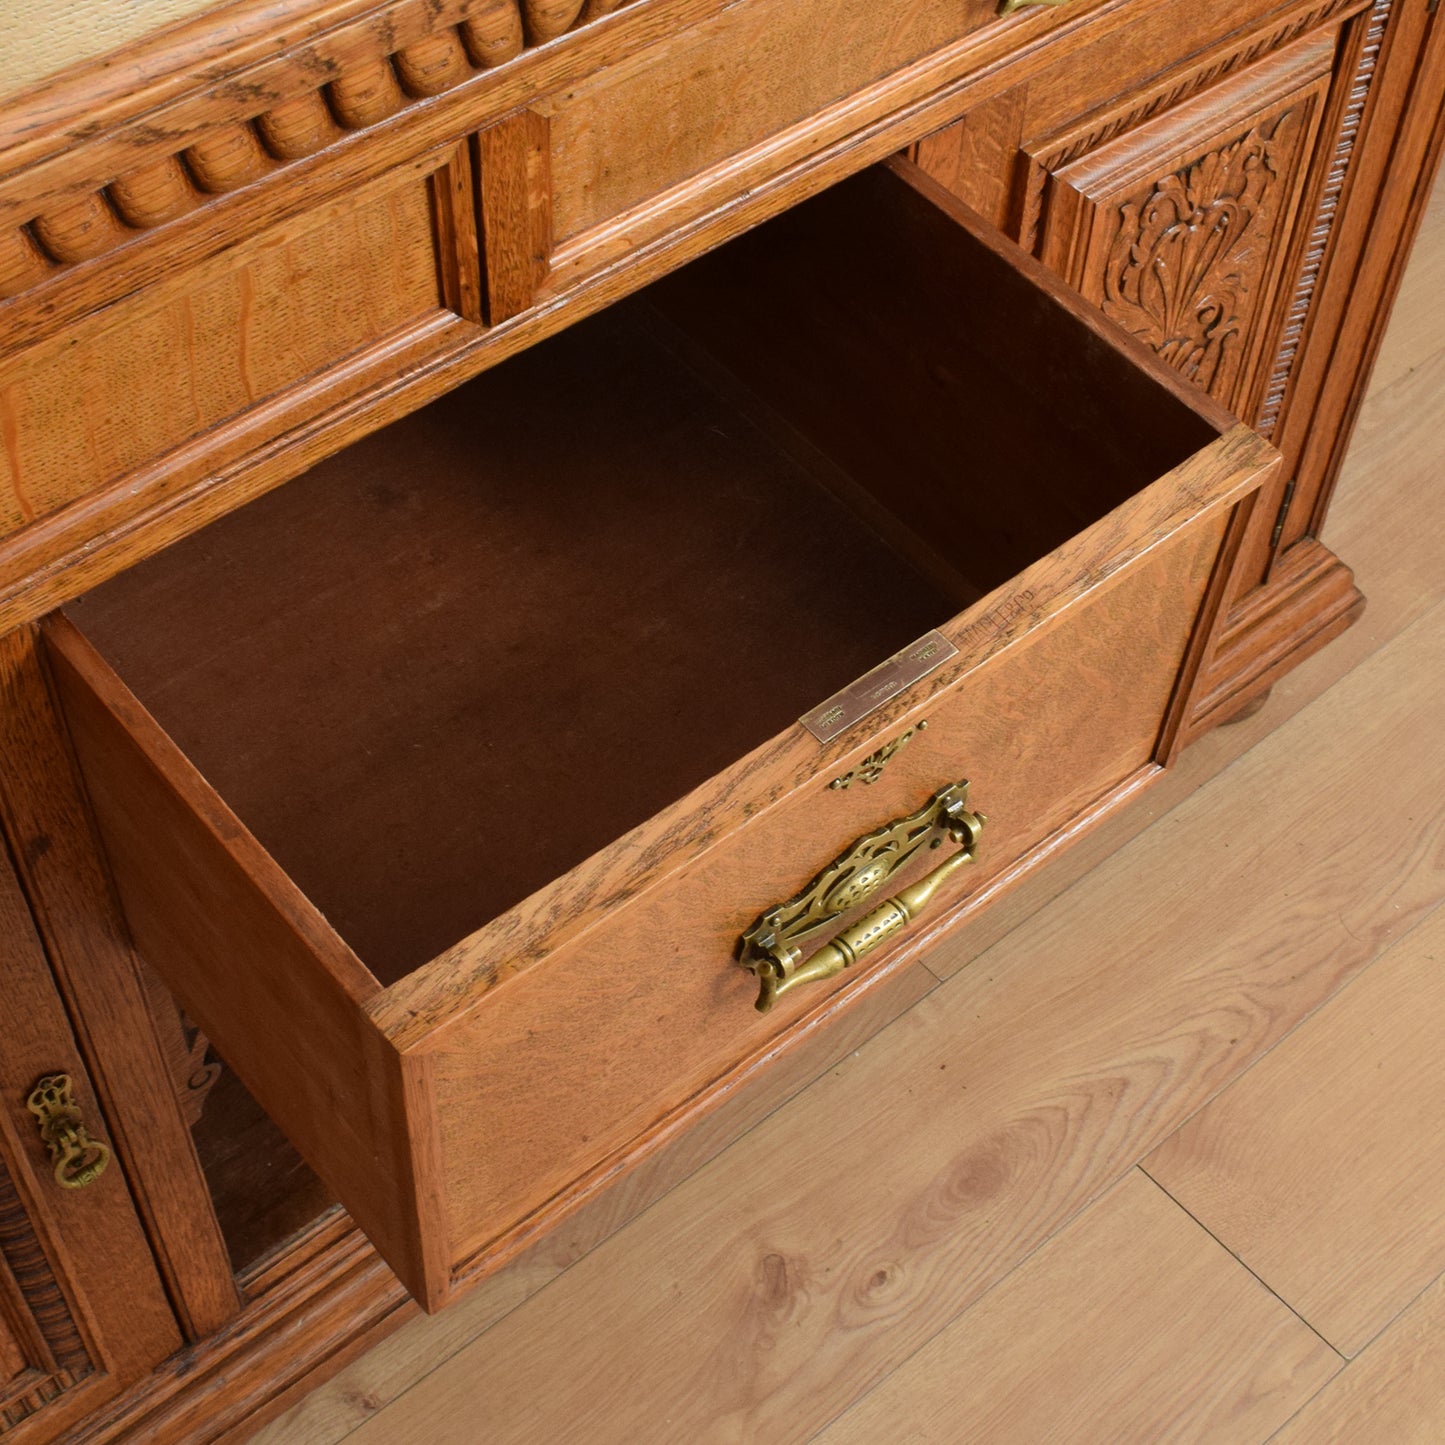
(316, 1307)
(1308, 601)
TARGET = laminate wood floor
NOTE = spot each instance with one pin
(1163, 1161)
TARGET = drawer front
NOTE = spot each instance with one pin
(217, 341)
(572, 1064)
(721, 87)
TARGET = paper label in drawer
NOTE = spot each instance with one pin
(874, 688)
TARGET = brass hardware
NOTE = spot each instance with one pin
(871, 768)
(78, 1159)
(868, 693)
(769, 948)
(1009, 6)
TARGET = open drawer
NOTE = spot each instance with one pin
(447, 785)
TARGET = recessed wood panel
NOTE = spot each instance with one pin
(141, 378)
(82, 1308)
(725, 85)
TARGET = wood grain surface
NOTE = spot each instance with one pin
(1413, 339)
(54, 843)
(237, 334)
(724, 86)
(1394, 1390)
(1310, 1168)
(1151, 1330)
(776, 1286)
(1386, 520)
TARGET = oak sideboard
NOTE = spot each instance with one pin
(548, 548)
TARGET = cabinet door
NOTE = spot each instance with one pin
(1181, 228)
(82, 1308)
(1203, 211)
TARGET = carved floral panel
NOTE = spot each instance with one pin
(1187, 270)
(1183, 229)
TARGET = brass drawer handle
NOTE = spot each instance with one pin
(78, 1159)
(770, 947)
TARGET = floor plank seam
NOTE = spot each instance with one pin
(1093, 1199)
(1304, 1405)
(1343, 1359)
(1398, 1315)
(1294, 1028)
(1352, 1361)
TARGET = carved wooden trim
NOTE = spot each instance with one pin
(1185, 263)
(64, 1358)
(1324, 222)
(470, 36)
(1051, 152)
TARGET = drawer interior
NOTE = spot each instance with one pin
(455, 659)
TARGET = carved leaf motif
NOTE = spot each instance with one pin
(1185, 268)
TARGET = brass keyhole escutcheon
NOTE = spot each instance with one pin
(77, 1159)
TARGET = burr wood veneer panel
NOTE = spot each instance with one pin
(724, 85)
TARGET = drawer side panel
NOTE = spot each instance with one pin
(249, 958)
